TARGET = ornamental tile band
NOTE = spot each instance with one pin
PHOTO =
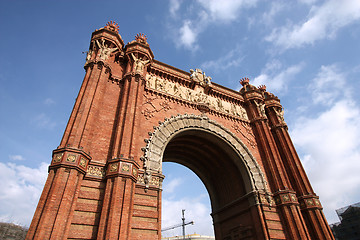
(96, 171)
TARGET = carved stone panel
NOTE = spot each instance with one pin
(195, 96)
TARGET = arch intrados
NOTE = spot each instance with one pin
(207, 141)
(213, 161)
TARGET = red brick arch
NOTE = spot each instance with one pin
(104, 182)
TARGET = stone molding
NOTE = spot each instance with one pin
(156, 144)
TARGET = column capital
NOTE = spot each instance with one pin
(310, 202)
(286, 197)
(124, 167)
(70, 157)
(150, 181)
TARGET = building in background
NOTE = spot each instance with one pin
(349, 226)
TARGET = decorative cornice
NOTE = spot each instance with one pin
(104, 32)
(252, 95)
(170, 72)
(226, 93)
(136, 46)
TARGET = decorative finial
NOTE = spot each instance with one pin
(244, 81)
(262, 88)
(112, 26)
(141, 38)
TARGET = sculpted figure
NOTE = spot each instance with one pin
(261, 108)
(219, 104)
(160, 84)
(139, 63)
(200, 97)
(149, 80)
(89, 54)
(233, 110)
(177, 91)
(207, 81)
(280, 115)
(243, 113)
(188, 95)
(169, 88)
(199, 76)
(104, 51)
(194, 75)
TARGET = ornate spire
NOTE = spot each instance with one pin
(244, 81)
(112, 26)
(141, 38)
(262, 88)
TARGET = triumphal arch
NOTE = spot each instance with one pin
(134, 112)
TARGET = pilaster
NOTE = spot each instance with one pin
(274, 168)
(309, 203)
(122, 168)
(115, 221)
(54, 213)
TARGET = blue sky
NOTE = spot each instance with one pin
(305, 51)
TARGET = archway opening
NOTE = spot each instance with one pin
(183, 189)
(220, 169)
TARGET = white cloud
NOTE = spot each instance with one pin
(49, 101)
(43, 121)
(330, 143)
(268, 16)
(188, 35)
(16, 157)
(171, 185)
(308, 2)
(225, 10)
(195, 210)
(20, 189)
(174, 7)
(277, 78)
(323, 22)
(230, 60)
(328, 85)
(200, 15)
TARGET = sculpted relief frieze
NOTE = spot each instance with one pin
(197, 96)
